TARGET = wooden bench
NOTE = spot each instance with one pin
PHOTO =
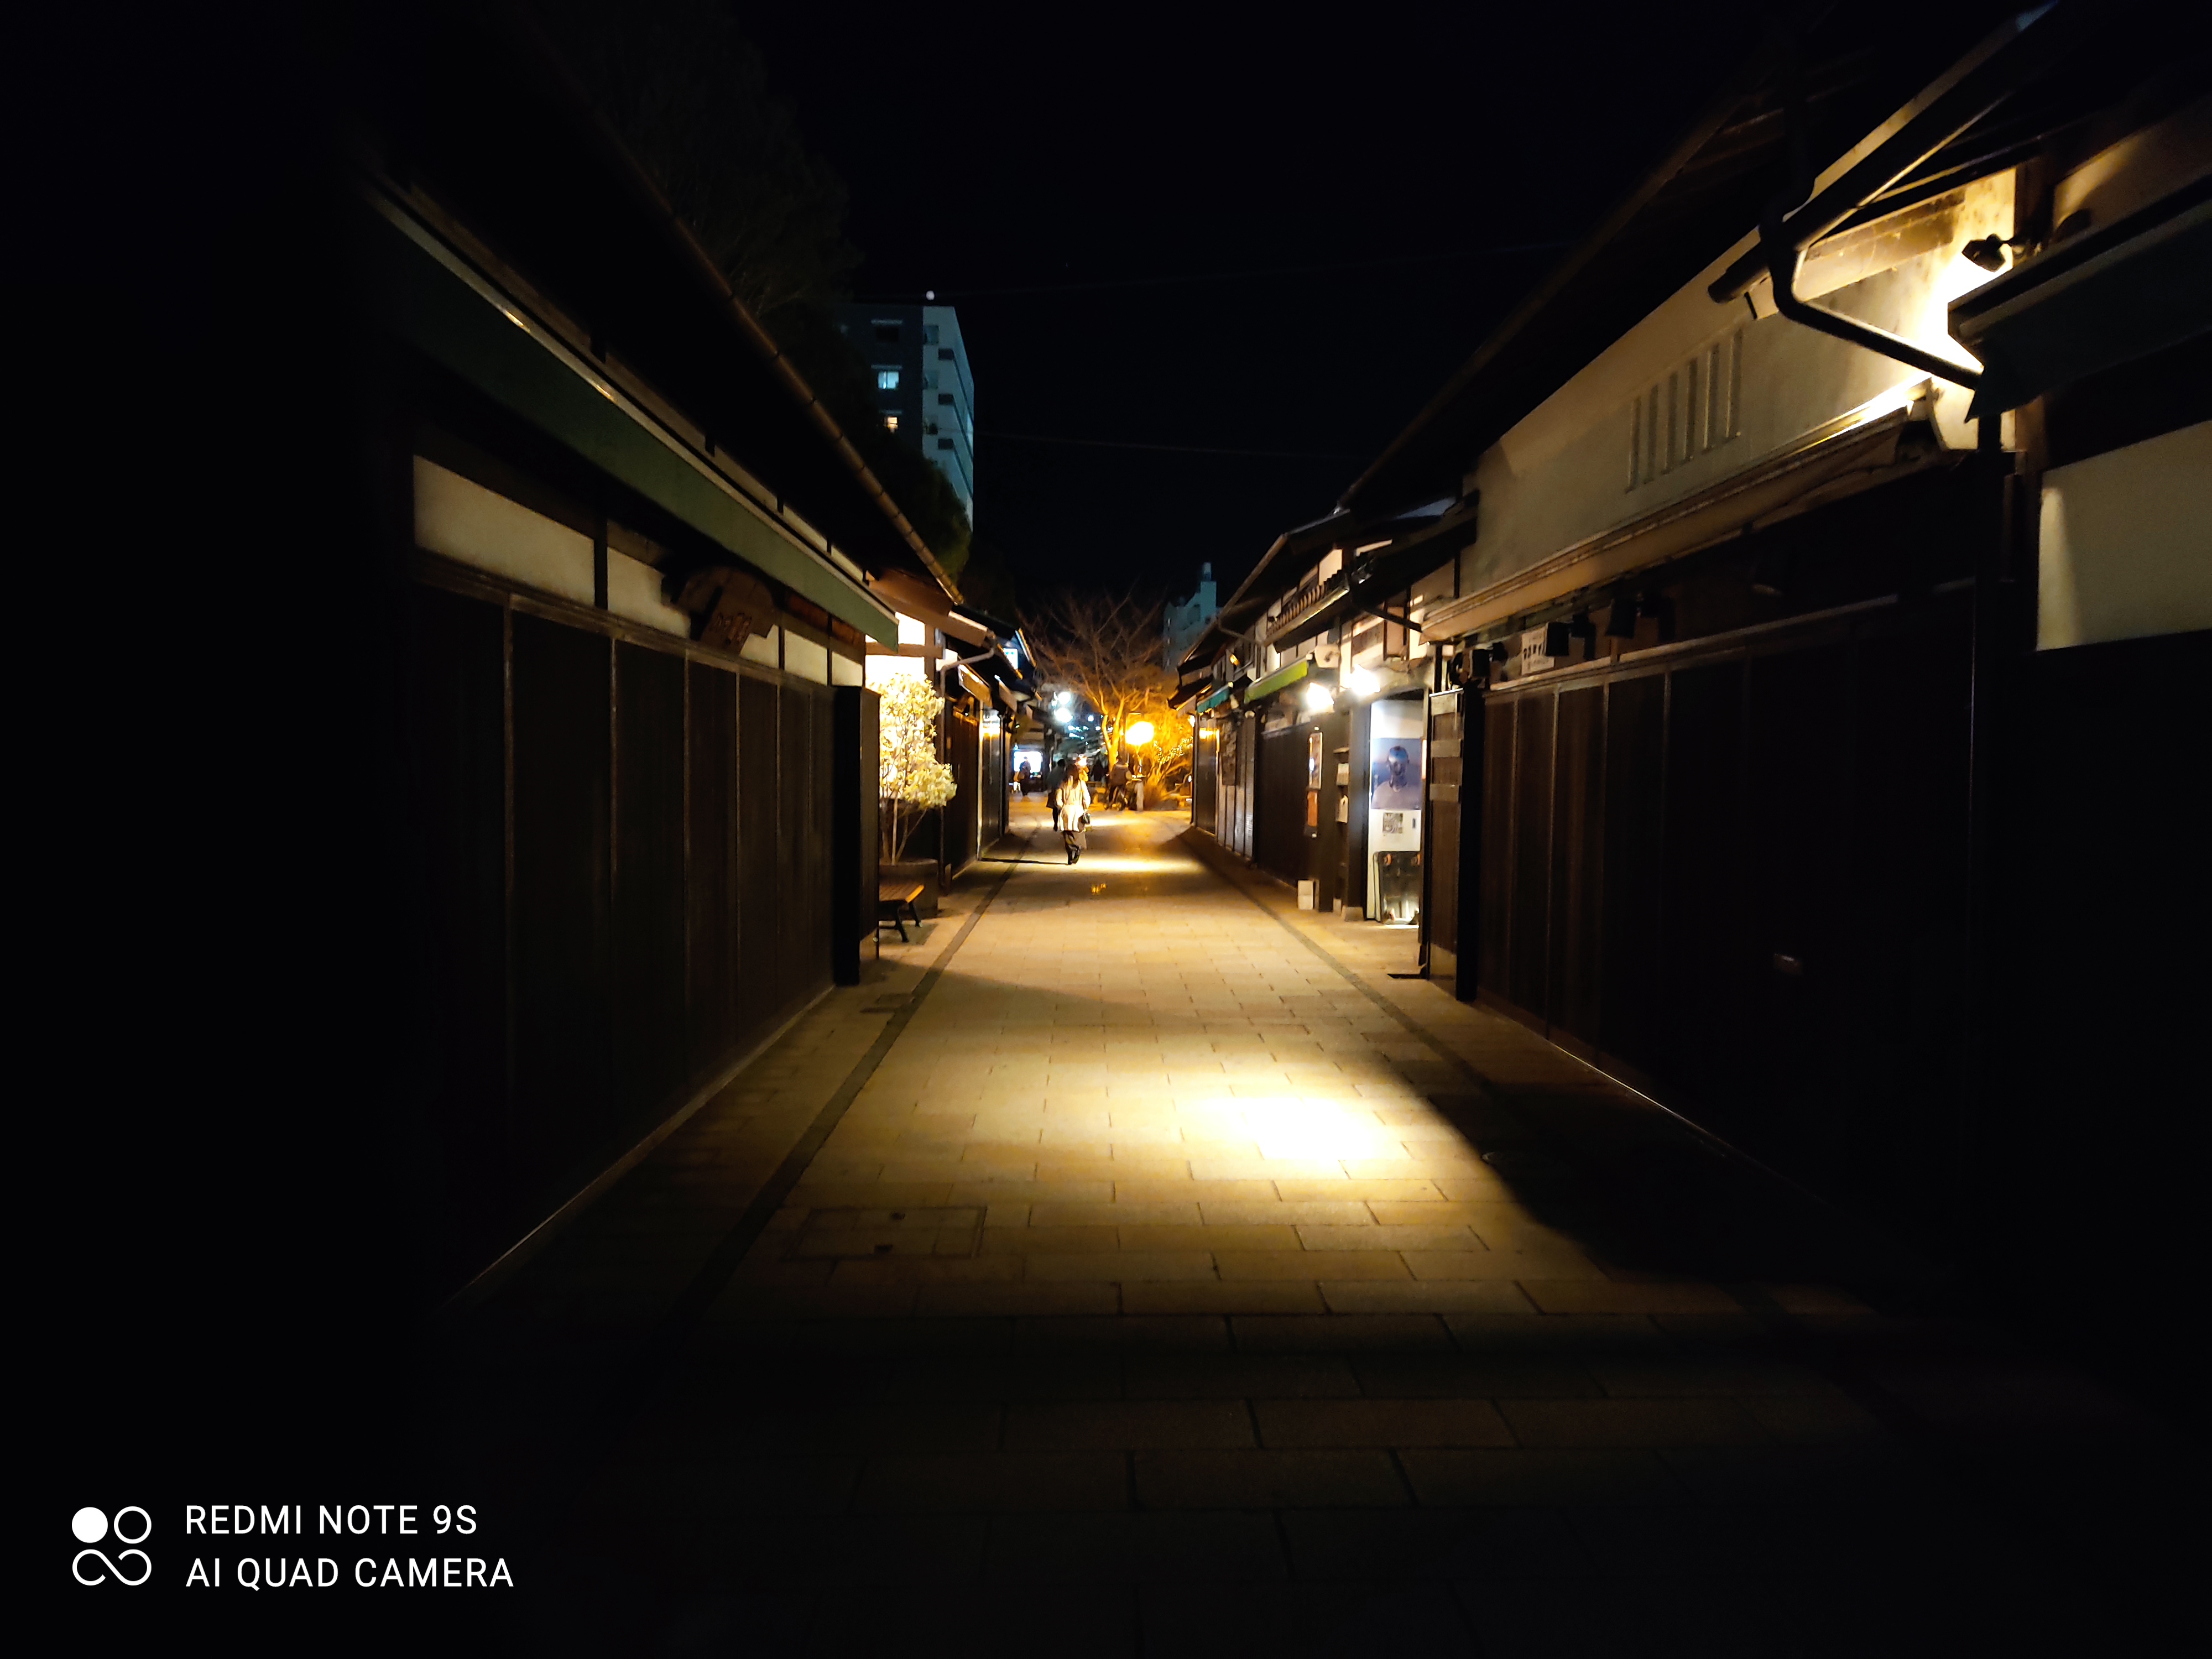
(892, 897)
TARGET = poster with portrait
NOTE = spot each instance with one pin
(1394, 772)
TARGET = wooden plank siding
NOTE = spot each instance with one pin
(1736, 876)
(623, 851)
(962, 744)
(1442, 838)
(1279, 813)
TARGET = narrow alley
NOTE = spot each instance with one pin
(1134, 1265)
(1614, 1077)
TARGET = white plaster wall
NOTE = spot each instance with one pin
(881, 671)
(2125, 545)
(634, 591)
(485, 530)
(1561, 475)
(804, 657)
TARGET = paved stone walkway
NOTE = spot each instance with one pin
(1152, 1293)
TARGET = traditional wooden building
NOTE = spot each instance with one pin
(642, 573)
(980, 664)
(1796, 579)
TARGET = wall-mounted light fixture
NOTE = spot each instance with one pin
(1989, 252)
(1319, 698)
(1363, 682)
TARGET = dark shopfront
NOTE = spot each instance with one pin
(1298, 822)
(626, 860)
(625, 852)
(976, 743)
(1733, 870)
(974, 819)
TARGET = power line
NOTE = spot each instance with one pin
(1244, 275)
(1170, 449)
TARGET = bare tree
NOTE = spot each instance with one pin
(1106, 650)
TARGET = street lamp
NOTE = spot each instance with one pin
(1139, 735)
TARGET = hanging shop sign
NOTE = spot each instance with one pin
(1536, 651)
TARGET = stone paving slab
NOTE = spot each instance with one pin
(1153, 1294)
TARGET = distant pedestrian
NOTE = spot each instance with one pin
(1073, 803)
(1052, 799)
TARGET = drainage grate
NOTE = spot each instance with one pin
(864, 1235)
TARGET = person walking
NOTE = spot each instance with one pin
(1073, 801)
(1052, 799)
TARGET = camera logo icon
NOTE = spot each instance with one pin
(92, 1564)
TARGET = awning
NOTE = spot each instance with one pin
(1254, 594)
(1289, 674)
(1213, 699)
(1390, 572)
(1850, 454)
(926, 603)
(429, 297)
(2108, 296)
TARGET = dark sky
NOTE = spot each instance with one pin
(1127, 209)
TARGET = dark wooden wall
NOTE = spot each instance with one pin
(856, 826)
(962, 745)
(1736, 876)
(1325, 840)
(1279, 807)
(1205, 779)
(1440, 839)
(623, 858)
(994, 748)
(1351, 850)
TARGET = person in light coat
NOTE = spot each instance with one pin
(1071, 801)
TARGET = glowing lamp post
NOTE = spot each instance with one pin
(1137, 737)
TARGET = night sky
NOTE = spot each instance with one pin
(1203, 232)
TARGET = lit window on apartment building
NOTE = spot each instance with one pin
(887, 380)
(891, 423)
